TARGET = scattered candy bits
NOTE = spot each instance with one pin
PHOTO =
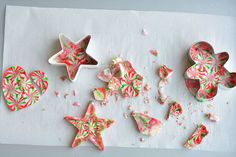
(122, 78)
(74, 92)
(18, 90)
(89, 127)
(212, 117)
(175, 110)
(73, 56)
(146, 124)
(196, 138)
(57, 93)
(63, 78)
(145, 32)
(154, 52)
(76, 104)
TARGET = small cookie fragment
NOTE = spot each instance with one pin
(196, 138)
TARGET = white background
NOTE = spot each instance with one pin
(114, 33)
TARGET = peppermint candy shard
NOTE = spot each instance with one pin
(40, 79)
(175, 109)
(18, 90)
(101, 94)
(165, 72)
(147, 125)
(197, 137)
(212, 117)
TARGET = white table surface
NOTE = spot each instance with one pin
(226, 7)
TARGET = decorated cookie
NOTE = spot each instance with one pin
(146, 124)
(18, 90)
(208, 71)
(89, 127)
(197, 137)
(74, 56)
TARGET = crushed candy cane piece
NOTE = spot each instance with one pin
(130, 108)
(212, 117)
(162, 98)
(154, 52)
(141, 139)
(165, 72)
(175, 109)
(57, 94)
(74, 92)
(116, 60)
(146, 100)
(100, 94)
(147, 87)
(63, 78)
(105, 75)
(125, 115)
(76, 104)
(144, 32)
(65, 95)
(162, 83)
(146, 124)
(196, 138)
(104, 102)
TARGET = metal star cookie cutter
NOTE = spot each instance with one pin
(74, 56)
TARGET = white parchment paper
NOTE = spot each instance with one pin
(31, 37)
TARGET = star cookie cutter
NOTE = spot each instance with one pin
(74, 56)
(208, 71)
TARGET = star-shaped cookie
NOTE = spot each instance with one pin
(89, 127)
(73, 55)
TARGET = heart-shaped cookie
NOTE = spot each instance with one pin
(18, 89)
